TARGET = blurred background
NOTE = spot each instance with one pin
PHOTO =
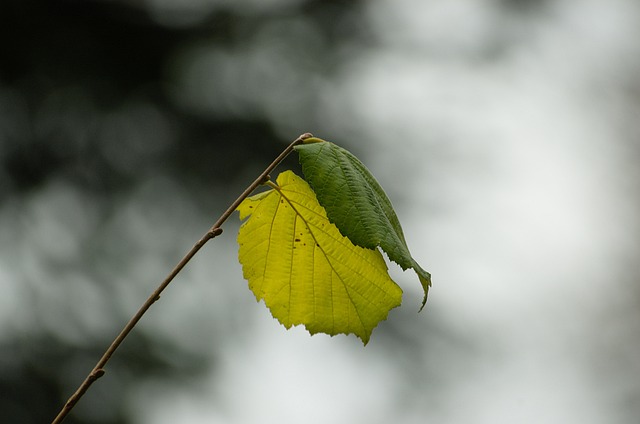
(506, 132)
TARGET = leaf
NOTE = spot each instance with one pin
(305, 270)
(356, 203)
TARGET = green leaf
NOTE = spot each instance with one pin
(356, 203)
(305, 270)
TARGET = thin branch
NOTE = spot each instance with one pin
(98, 371)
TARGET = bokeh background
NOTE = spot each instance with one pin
(506, 132)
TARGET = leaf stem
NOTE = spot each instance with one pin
(215, 230)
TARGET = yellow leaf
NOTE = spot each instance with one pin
(305, 270)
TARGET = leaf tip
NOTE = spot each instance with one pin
(425, 280)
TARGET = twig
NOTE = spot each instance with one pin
(98, 371)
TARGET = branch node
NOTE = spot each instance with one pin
(215, 232)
